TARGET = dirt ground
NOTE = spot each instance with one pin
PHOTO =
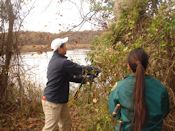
(12, 120)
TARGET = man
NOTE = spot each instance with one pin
(56, 94)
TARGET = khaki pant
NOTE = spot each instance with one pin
(56, 115)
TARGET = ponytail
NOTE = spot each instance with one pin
(138, 61)
(139, 99)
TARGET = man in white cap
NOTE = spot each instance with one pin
(56, 94)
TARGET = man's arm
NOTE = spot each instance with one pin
(77, 79)
(76, 69)
(72, 68)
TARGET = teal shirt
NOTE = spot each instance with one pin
(156, 97)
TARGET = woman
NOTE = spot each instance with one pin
(142, 100)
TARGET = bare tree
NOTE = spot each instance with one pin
(10, 23)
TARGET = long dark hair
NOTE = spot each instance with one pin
(138, 61)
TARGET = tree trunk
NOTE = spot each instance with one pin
(8, 50)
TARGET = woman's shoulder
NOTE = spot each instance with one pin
(127, 80)
(151, 80)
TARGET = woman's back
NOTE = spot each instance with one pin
(156, 99)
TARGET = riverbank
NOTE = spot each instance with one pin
(45, 48)
(40, 41)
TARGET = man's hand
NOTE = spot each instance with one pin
(91, 70)
(96, 71)
(90, 78)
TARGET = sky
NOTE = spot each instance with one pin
(54, 16)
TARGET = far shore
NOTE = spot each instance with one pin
(46, 48)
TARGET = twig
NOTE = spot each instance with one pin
(26, 15)
(169, 71)
(84, 20)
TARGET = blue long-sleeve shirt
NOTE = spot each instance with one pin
(59, 73)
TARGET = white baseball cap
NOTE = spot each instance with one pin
(56, 43)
